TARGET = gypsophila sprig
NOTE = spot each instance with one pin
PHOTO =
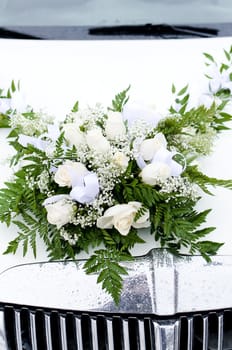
(97, 178)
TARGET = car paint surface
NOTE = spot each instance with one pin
(55, 74)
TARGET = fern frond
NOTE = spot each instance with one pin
(120, 100)
(106, 264)
(203, 180)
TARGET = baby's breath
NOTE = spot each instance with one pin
(43, 181)
(31, 123)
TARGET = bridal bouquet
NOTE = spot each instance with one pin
(97, 178)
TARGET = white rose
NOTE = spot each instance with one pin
(69, 172)
(151, 172)
(73, 135)
(115, 126)
(121, 216)
(121, 160)
(96, 141)
(149, 147)
(60, 213)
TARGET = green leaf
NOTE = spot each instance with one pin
(227, 54)
(209, 57)
(8, 95)
(13, 87)
(4, 121)
(224, 67)
(183, 91)
(120, 100)
(208, 247)
(75, 107)
(173, 89)
(12, 247)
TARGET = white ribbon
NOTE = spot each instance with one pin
(25, 140)
(86, 190)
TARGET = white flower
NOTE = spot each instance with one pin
(115, 126)
(70, 173)
(135, 111)
(151, 172)
(73, 135)
(60, 213)
(149, 147)
(161, 167)
(121, 216)
(96, 141)
(121, 160)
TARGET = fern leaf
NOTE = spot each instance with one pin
(120, 100)
(106, 263)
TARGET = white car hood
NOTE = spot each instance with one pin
(55, 74)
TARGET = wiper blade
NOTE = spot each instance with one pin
(14, 34)
(157, 30)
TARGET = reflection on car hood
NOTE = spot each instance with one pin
(157, 283)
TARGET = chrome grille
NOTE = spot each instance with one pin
(25, 328)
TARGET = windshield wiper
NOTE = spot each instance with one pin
(157, 30)
(14, 34)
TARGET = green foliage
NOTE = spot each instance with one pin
(59, 149)
(107, 264)
(75, 107)
(209, 57)
(203, 181)
(120, 100)
(4, 121)
(137, 191)
(207, 249)
(5, 118)
(176, 224)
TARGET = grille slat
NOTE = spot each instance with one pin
(3, 340)
(94, 334)
(176, 330)
(48, 332)
(78, 333)
(142, 343)
(157, 336)
(190, 334)
(63, 333)
(110, 341)
(220, 332)
(33, 331)
(126, 340)
(18, 330)
(205, 332)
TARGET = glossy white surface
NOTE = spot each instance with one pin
(56, 74)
